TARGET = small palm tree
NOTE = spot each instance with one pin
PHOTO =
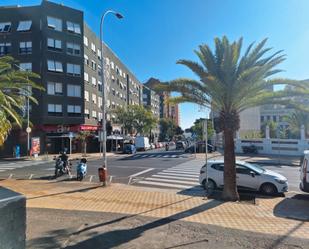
(296, 120)
(14, 89)
(230, 83)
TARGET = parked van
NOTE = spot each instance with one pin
(142, 143)
(304, 172)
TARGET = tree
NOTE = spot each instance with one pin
(167, 128)
(197, 128)
(125, 117)
(230, 83)
(83, 136)
(273, 127)
(14, 89)
(296, 120)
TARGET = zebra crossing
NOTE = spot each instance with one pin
(158, 155)
(18, 164)
(182, 176)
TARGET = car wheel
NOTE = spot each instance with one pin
(269, 189)
(211, 184)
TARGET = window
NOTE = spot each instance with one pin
(94, 114)
(54, 23)
(99, 70)
(73, 48)
(73, 27)
(240, 169)
(100, 101)
(93, 81)
(74, 110)
(86, 77)
(113, 91)
(99, 54)
(5, 27)
(100, 86)
(5, 48)
(92, 47)
(26, 66)
(53, 44)
(73, 69)
(74, 91)
(275, 118)
(262, 119)
(54, 66)
(54, 110)
(94, 98)
(86, 59)
(25, 47)
(54, 88)
(100, 115)
(112, 65)
(85, 41)
(93, 65)
(86, 95)
(87, 113)
(24, 25)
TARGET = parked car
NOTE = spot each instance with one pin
(249, 177)
(180, 145)
(304, 172)
(200, 148)
(129, 149)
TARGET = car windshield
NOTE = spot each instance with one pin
(255, 167)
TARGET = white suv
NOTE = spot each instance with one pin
(249, 176)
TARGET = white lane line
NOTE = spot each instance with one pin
(166, 156)
(1, 170)
(175, 177)
(166, 184)
(175, 174)
(7, 168)
(141, 172)
(50, 169)
(173, 156)
(152, 156)
(171, 181)
(144, 156)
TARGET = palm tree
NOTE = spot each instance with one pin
(230, 83)
(14, 88)
(296, 120)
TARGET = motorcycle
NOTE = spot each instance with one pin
(61, 167)
(81, 169)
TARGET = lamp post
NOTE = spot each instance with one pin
(28, 129)
(104, 166)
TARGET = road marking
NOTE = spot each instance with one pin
(174, 177)
(141, 172)
(172, 181)
(166, 184)
(50, 169)
(182, 171)
(7, 168)
(175, 174)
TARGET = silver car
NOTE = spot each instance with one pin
(249, 176)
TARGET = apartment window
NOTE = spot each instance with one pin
(113, 91)
(274, 118)
(54, 110)
(5, 48)
(93, 81)
(26, 66)
(87, 113)
(100, 86)
(73, 69)
(54, 23)
(54, 66)
(100, 101)
(5, 27)
(86, 95)
(99, 70)
(108, 103)
(99, 54)
(92, 47)
(74, 91)
(24, 26)
(100, 115)
(86, 77)
(73, 48)
(93, 65)
(106, 61)
(54, 88)
(262, 119)
(53, 44)
(112, 65)
(25, 47)
(94, 98)
(85, 41)
(268, 118)
(86, 59)
(73, 27)
(74, 110)
(94, 114)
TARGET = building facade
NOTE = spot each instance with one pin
(53, 41)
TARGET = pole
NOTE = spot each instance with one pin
(70, 145)
(206, 155)
(28, 121)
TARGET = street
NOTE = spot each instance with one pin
(172, 169)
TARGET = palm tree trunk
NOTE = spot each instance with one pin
(230, 190)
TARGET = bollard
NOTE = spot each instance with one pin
(102, 175)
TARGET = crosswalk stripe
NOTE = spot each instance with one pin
(172, 181)
(166, 184)
(7, 168)
(182, 171)
(174, 177)
(176, 174)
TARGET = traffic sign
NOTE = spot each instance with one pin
(28, 130)
(71, 135)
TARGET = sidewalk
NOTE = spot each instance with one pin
(267, 217)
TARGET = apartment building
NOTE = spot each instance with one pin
(53, 41)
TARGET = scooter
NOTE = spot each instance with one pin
(60, 168)
(81, 169)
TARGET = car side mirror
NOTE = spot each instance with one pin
(252, 173)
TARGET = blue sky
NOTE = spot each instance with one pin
(156, 33)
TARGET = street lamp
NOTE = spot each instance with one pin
(28, 129)
(104, 166)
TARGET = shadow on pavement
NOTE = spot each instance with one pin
(296, 207)
(122, 236)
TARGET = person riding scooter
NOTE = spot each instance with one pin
(64, 158)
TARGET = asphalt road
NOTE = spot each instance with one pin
(157, 168)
